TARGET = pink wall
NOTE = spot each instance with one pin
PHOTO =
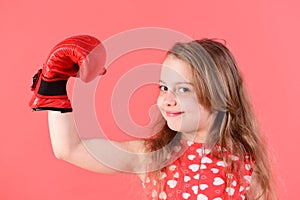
(263, 35)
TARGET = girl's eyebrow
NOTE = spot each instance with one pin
(180, 82)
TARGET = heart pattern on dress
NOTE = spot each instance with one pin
(202, 197)
(172, 183)
(203, 186)
(195, 189)
(214, 170)
(200, 177)
(162, 195)
(218, 181)
(172, 167)
(186, 195)
(187, 178)
(194, 167)
(191, 157)
(206, 160)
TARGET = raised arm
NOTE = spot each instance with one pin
(81, 56)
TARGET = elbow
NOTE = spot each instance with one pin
(64, 150)
(61, 154)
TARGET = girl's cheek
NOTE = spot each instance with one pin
(159, 100)
(188, 104)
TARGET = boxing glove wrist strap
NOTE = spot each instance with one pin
(49, 88)
(57, 88)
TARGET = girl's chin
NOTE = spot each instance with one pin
(187, 134)
(173, 127)
(179, 129)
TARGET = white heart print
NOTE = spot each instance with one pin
(195, 189)
(230, 191)
(221, 163)
(214, 170)
(241, 188)
(203, 166)
(172, 183)
(194, 167)
(176, 175)
(203, 186)
(233, 183)
(191, 157)
(189, 143)
(199, 151)
(218, 181)
(248, 167)
(197, 176)
(162, 195)
(207, 151)
(172, 167)
(202, 197)
(186, 195)
(187, 178)
(206, 160)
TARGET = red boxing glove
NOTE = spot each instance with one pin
(82, 56)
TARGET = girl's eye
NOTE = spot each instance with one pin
(183, 90)
(163, 88)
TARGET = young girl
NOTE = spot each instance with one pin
(208, 120)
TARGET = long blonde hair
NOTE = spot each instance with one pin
(220, 88)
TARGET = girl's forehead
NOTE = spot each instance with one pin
(175, 70)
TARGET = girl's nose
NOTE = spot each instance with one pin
(170, 99)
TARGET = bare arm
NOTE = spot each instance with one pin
(68, 146)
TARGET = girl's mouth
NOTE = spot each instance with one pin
(173, 114)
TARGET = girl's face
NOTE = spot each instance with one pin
(178, 101)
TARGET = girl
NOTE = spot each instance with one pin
(208, 120)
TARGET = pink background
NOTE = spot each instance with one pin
(263, 35)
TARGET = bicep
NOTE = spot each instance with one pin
(105, 156)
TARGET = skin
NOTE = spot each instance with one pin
(177, 102)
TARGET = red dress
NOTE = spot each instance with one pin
(198, 175)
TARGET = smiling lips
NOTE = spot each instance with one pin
(173, 114)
